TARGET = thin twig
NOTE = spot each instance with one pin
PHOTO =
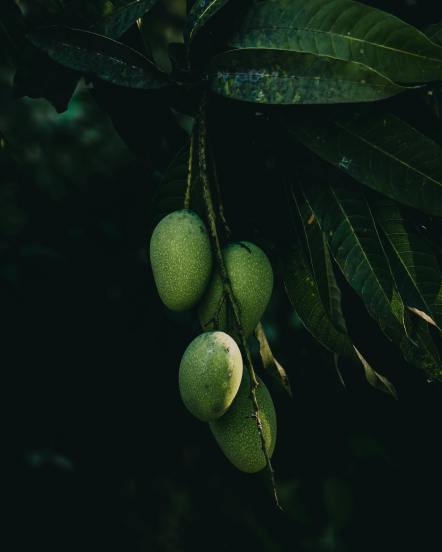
(219, 199)
(190, 167)
(227, 286)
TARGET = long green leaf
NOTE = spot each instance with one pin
(413, 262)
(202, 11)
(345, 30)
(345, 217)
(269, 362)
(116, 24)
(91, 53)
(303, 292)
(382, 152)
(322, 265)
(277, 77)
(434, 33)
(423, 354)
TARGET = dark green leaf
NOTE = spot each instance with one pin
(423, 354)
(278, 77)
(345, 30)
(100, 56)
(322, 266)
(202, 11)
(382, 152)
(434, 33)
(413, 262)
(304, 295)
(116, 24)
(269, 362)
(432, 95)
(345, 217)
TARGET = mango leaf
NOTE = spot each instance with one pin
(434, 33)
(382, 152)
(345, 30)
(202, 11)
(115, 25)
(345, 217)
(277, 77)
(304, 295)
(413, 262)
(420, 350)
(100, 56)
(432, 95)
(321, 264)
(270, 364)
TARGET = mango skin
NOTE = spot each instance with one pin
(181, 259)
(251, 275)
(210, 375)
(237, 433)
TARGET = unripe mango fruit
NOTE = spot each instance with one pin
(237, 432)
(181, 259)
(251, 276)
(210, 375)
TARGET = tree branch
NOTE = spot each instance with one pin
(227, 286)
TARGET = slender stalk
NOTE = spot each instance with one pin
(215, 179)
(190, 167)
(228, 291)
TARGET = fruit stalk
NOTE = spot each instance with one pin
(190, 168)
(211, 215)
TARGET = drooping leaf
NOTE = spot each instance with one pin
(322, 265)
(202, 11)
(434, 33)
(382, 152)
(345, 30)
(416, 269)
(346, 219)
(270, 364)
(120, 20)
(420, 350)
(278, 77)
(100, 56)
(376, 380)
(432, 95)
(304, 295)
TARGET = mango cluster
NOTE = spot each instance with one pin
(213, 384)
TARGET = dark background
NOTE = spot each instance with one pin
(105, 455)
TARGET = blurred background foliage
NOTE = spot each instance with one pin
(106, 455)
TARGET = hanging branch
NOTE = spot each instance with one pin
(227, 287)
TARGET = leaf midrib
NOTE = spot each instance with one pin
(346, 218)
(346, 37)
(388, 154)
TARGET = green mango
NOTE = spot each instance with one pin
(237, 433)
(210, 375)
(251, 275)
(181, 259)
